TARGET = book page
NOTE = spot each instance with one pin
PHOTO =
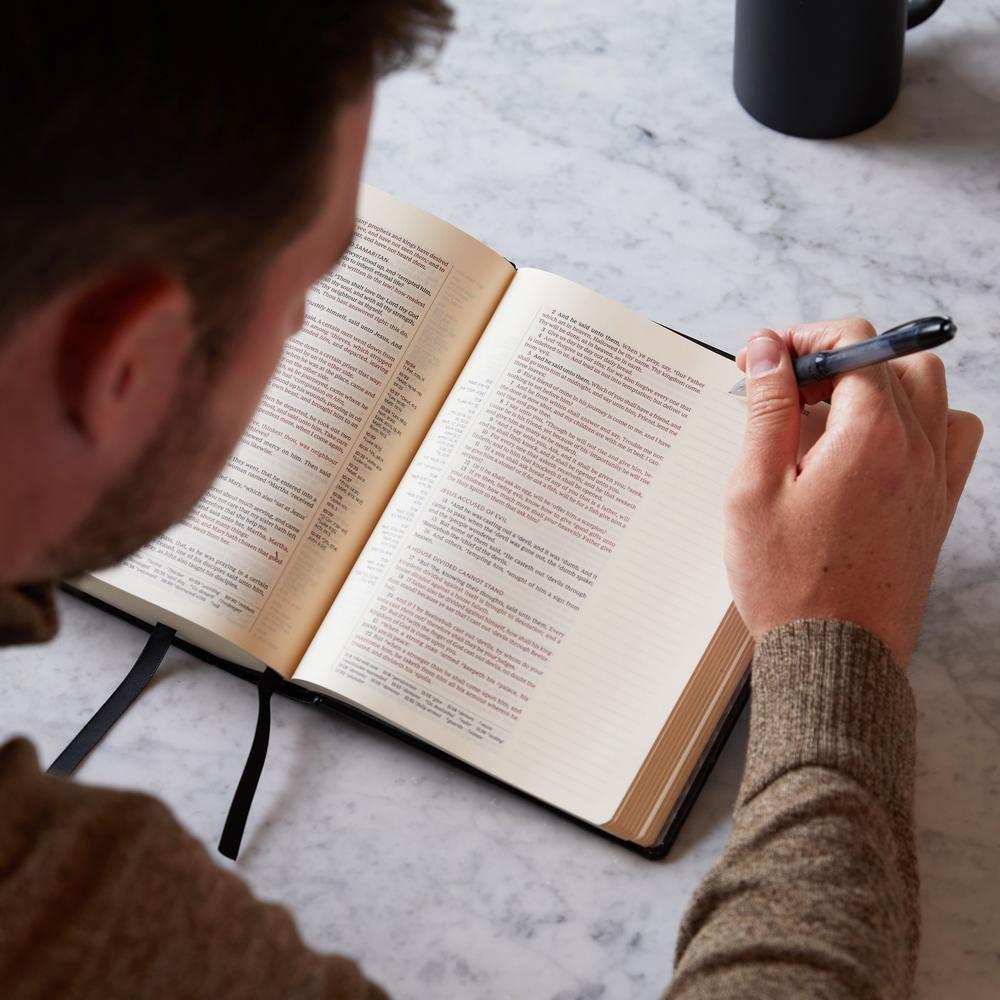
(550, 571)
(260, 558)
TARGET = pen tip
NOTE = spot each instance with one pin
(740, 389)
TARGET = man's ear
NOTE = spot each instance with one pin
(121, 356)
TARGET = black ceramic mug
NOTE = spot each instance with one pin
(822, 68)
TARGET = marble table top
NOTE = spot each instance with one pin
(603, 142)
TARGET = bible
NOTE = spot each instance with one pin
(480, 505)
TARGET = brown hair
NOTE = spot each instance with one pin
(191, 136)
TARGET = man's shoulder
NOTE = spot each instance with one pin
(62, 841)
(39, 807)
(103, 893)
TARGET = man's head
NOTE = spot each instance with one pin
(171, 188)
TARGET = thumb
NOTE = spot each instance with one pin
(771, 443)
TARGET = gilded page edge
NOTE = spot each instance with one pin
(660, 781)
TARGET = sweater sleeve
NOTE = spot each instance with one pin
(102, 894)
(816, 893)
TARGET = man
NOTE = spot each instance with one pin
(161, 228)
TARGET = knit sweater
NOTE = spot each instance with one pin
(816, 893)
(103, 894)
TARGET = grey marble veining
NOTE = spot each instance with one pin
(603, 142)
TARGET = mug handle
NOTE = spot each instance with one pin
(919, 10)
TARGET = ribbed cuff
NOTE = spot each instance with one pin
(830, 694)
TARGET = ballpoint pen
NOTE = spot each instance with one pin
(917, 335)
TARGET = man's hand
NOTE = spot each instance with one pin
(854, 531)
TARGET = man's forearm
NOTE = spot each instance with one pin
(816, 894)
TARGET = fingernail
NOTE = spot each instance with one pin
(763, 356)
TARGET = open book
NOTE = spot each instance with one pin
(483, 505)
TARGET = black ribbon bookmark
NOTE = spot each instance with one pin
(112, 710)
(239, 809)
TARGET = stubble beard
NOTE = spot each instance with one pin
(161, 489)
